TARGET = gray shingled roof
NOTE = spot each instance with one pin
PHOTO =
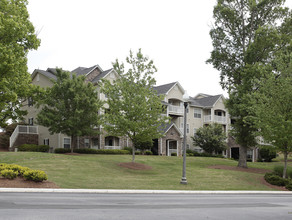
(205, 102)
(163, 89)
(83, 70)
(100, 76)
(47, 74)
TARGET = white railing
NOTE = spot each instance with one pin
(22, 129)
(217, 119)
(175, 109)
(112, 147)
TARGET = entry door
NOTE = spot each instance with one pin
(172, 147)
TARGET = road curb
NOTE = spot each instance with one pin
(117, 191)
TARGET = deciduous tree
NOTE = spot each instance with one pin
(245, 36)
(134, 108)
(70, 107)
(17, 37)
(210, 138)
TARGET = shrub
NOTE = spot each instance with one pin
(173, 154)
(267, 153)
(33, 148)
(129, 149)
(85, 151)
(275, 179)
(148, 152)
(9, 174)
(278, 170)
(289, 186)
(62, 150)
(35, 175)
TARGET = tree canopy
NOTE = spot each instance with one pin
(70, 106)
(273, 106)
(210, 138)
(17, 37)
(246, 35)
(134, 108)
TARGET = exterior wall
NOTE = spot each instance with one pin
(92, 75)
(25, 139)
(175, 93)
(173, 135)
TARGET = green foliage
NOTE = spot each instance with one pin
(134, 108)
(91, 151)
(279, 169)
(33, 148)
(9, 174)
(144, 145)
(289, 186)
(35, 175)
(267, 153)
(246, 35)
(148, 152)
(128, 149)
(275, 179)
(210, 138)
(70, 107)
(62, 150)
(17, 38)
(173, 154)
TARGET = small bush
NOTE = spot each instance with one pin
(275, 179)
(289, 186)
(62, 150)
(138, 152)
(9, 174)
(278, 170)
(148, 152)
(267, 153)
(85, 151)
(100, 151)
(173, 154)
(35, 175)
(33, 148)
(129, 149)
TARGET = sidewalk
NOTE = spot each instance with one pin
(119, 191)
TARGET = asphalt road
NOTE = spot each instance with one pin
(44, 205)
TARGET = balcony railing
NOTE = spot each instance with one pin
(217, 119)
(173, 109)
(22, 129)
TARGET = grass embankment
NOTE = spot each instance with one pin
(103, 172)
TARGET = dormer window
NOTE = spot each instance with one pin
(30, 101)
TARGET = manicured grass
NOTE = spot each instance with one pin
(103, 172)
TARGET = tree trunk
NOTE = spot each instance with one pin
(73, 141)
(242, 157)
(285, 164)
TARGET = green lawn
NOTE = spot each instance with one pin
(102, 172)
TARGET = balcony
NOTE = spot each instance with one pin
(175, 110)
(216, 119)
(22, 129)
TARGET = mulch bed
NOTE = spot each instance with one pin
(22, 183)
(135, 166)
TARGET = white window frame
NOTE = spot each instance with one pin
(86, 142)
(66, 138)
(197, 113)
(47, 141)
(30, 121)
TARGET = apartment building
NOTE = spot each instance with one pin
(202, 110)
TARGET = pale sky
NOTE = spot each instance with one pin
(175, 34)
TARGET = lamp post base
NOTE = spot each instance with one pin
(184, 181)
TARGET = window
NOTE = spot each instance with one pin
(67, 143)
(30, 121)
(86, 142)
(30, 101)
(47, 141)
(188, 128)
(197, 113)
(195, 132)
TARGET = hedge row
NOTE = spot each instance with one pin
(91, 151)
(275, 178)
(192, 153)
(33, 148)
(11, 171)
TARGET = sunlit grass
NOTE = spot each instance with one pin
(103, 172)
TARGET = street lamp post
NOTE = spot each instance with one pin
(184, 178)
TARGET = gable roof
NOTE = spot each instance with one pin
(164, 89)
(85, 71)
(49, 73)
(208, 101)
(165, 128)
(102, 75)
